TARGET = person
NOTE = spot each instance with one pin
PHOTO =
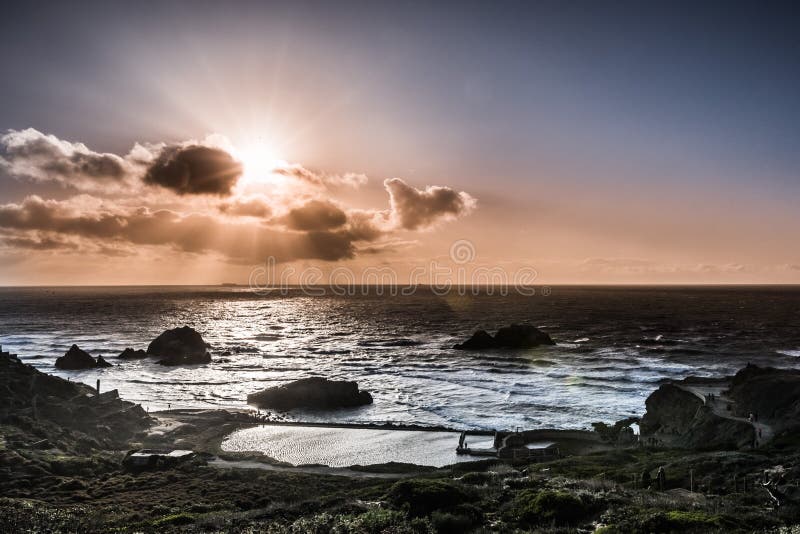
(646, 480)
(662, 478)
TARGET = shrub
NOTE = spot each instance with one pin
(422, 497)
(531, 507)
(449, 523)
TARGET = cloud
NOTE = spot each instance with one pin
(414, 209)
(315, 215)
(195, 205)
(37, 243)
(298, 172)
(194, 233)
(33, 155)
(194, 170)
(253, 206)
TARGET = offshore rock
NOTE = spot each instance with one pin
(516, 336)
(180, 346)
(316, 392)
(76, 359)
(130, 354)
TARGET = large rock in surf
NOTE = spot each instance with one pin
(76, 359)
(516, 336)
(314, 392)
(180, 346)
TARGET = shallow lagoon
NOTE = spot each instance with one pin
(342, 447)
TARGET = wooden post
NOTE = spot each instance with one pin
(691, 480)
(98, 387)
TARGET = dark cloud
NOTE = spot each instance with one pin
(315, 215)
(194, 170)
(34, 155)
(414, 208)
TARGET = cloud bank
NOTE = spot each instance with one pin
(189, 198)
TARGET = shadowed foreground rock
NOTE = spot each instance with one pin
(180, 346)
(315, 392)
(76, 359)
(69, 416)
(516, 336)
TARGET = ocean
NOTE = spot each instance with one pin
(614, 346)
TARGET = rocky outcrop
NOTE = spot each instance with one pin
(316, 392)
(679, 418)
(130, 354)
(76, 359)
(516, 336)
(770, 394)
(70, 415)
(180, 346)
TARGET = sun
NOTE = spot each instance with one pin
(258, 160)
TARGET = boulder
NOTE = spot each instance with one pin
(315, 392)
(130, 354)
(180, 346)
(76, 358)
(516, 336)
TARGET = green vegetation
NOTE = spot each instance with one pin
(546, 507)
(421, 496)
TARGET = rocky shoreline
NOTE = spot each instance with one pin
(63, 449)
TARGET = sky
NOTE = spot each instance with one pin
(582, 141)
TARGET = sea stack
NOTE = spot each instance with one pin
(180, 346)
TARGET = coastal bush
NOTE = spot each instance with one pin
(421, 496)
(478, 479)
(457, 519)
(531, 507)
(644, 521)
